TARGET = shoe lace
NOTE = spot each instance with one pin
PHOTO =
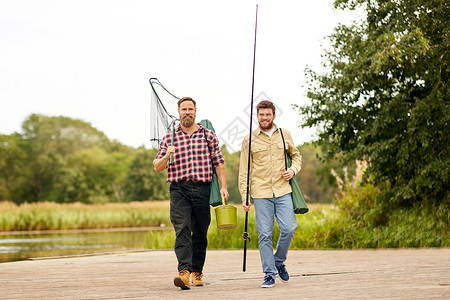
(182, 272)
(197, 276)
(281, 269)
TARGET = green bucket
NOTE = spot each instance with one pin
(226, 217)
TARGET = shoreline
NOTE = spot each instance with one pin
(113, 229)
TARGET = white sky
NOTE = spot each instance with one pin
(92, 59)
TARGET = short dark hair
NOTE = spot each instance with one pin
(265, 104)
(186, 99)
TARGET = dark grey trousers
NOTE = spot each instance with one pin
(190, 216)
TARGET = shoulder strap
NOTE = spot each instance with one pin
(209, 149)
(284, 147)
(207, 143)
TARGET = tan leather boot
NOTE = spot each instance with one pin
(182, 280)
(197, 279)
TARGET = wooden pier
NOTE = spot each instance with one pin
(315, 274)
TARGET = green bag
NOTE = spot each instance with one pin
(215, 198)
(299, 202)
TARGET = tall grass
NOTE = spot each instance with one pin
(54, 216)
(323, 227)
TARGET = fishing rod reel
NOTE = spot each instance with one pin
(245, 236)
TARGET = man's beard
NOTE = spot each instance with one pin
(187, 120)
(267, 127)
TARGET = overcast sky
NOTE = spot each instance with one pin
(91, 60)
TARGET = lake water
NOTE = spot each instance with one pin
(16, 246)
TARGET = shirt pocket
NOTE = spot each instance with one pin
(261, 155)
(282, 159)
(280, 153)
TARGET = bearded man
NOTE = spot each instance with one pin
(195, 152)
(270, 189)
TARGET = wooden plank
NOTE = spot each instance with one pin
(315, 274)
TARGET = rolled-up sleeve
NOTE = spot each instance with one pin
(296, 165)
(162, 148)
(216, 153)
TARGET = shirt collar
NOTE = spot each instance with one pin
(200, 128)
(259, 131)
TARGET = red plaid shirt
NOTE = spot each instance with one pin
(192, 158)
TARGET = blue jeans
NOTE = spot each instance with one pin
(190, 215)
(265, 211)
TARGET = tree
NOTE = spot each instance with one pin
(50, 140)
(385, 97)
(142, 182)
(90, 175)
(315, 179)
(14, 171)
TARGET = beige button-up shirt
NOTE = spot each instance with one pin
(266, 164)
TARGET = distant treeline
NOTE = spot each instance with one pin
(64, 160)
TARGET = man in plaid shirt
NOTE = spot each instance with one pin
(195, 152)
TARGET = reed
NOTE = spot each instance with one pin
(54, 216)
(326, 227)
(306, 233)
(217, 238)
(323, 227)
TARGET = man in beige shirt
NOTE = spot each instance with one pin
(270, 189)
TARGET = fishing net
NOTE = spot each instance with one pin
(162, 109)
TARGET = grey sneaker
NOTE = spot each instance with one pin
(283, 273)
(269, 281)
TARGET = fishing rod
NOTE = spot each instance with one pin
(245, 235)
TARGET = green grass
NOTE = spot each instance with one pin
(326, 227)
(323, 227)
(53, 216)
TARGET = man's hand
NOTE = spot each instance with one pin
(161, 164)
(170, 149)
(224, 193)
(245, 206)
(287, 175)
